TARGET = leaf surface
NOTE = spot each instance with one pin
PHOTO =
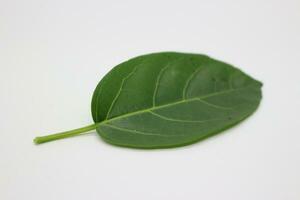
(171, 99)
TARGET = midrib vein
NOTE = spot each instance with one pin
(171, 104)
(139, 132)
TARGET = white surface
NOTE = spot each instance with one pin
(53, 53)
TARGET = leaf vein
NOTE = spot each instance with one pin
(139, 132)
(175, 103)
(119, 91)
(180, 120)
(214, 105)
(157, 83)
(188, 82)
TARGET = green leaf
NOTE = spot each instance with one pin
(170, 99)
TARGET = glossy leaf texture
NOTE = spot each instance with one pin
(171, 99)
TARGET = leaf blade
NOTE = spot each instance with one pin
(224, 96)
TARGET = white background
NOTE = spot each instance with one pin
(53, 53)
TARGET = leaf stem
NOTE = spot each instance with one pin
(66, 134)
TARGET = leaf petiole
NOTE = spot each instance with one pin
(66, 134)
